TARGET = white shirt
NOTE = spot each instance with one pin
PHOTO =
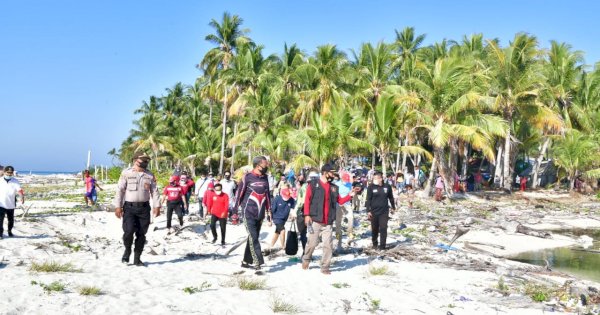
(202, 186)
(408, 178)
(228, 187)
(8, 193)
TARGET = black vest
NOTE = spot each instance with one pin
(317, 201)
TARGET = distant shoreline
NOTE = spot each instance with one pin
(28, 172)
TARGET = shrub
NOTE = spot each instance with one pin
(87, 290)
(280, 306)
(251, 284)
(52, 266)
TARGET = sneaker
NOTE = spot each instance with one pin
(246, 265)
(214, 240)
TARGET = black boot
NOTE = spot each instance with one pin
(137, 261)
(126, 255)
(10, 234)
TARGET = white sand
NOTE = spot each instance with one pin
(412, 288)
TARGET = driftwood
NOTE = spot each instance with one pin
(488, 244)
(529, 231)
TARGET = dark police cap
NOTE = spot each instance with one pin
(141, 156)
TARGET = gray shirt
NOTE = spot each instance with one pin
(136, 186)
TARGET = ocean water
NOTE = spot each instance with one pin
(29, 172)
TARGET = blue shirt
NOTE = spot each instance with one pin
(281, 209)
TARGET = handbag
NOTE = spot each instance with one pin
(291, 242)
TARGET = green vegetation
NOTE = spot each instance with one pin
(55, 286)
(439, 105)
(90, 290)
(203, 287)
(539, 293)
(374, 304)
(52, 266)
(249, 284)
(278, 305)
(340, 285)
(379, 271)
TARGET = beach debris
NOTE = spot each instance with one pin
(459, 232)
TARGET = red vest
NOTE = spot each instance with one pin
(173, 193)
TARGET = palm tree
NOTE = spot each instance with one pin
(576, 153)
(150, 134)
(517, 80)
(563, 71)
(228, 36)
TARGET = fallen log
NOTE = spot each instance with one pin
(529, 231)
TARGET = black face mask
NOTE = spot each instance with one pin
(263, 170)
(173, 184)
(330, 179)
(143, 164)
(227, 177)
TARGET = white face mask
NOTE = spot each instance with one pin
(377, 182)
(218, 192)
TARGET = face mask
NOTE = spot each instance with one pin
(143, 164)
(173, 184)
(263, 170)
(227, 177)
(8, 177)
(218, 192)
(377, 182)
(329, 179)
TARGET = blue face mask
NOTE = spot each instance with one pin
(8, 177)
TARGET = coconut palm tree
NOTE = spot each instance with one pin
(228, 36)
(517, 80)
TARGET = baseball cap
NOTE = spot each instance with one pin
(327, 168)
(174, 179)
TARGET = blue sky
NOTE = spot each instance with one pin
(73, 72)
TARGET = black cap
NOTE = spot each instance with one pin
(327, 168)
(9, 169)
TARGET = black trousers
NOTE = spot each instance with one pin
(302, 230)
(201, 209)
(253, 254)
(136, 220)
(379, 224)
(10, 214)
(222, 224)
(176, 206)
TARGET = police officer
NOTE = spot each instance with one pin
(135, 188)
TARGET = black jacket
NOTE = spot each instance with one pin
(317, 201)
(378, 197)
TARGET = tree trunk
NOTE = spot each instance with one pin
(232, 167)
(453, 159)
(538, 161)
(223, 134)
(398, 155)
(465, 162)
(383, 164)
(444, 171)
(404, 154)
(432, 171)
(498, 165)
(373, 160)
(507, 174)
(210, 111)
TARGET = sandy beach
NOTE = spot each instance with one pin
(57, 228)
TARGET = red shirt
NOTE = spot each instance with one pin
(218, 205)
(207, 195)
(340, 200)
(173, 193)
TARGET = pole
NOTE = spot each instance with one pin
(88, 160)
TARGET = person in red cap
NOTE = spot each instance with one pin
(175, 197)
(280, 209)
(217, 207)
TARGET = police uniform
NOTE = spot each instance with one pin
(134, 191)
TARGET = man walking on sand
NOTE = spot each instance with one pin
(378, 196)
(9, 189)
(253, 200)
(132, 203)
(322, 198)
